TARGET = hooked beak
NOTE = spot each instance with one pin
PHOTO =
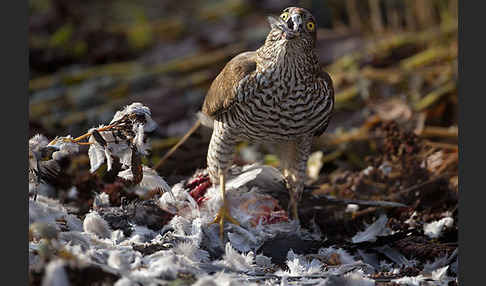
(291, 29)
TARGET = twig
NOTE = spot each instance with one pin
(435, 95)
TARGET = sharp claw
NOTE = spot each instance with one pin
(222, 216)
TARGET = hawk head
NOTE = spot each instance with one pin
(295, 25)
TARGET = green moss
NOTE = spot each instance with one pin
(79, 48)
(62, 36)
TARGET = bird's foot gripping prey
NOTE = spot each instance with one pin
(224, 213)
(276, 94)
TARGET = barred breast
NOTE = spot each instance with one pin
(279, 109)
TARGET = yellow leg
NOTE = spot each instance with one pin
(224, 211)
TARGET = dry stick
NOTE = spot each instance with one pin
(353, 14)
(418, 186)
(410, 16)
(76, 140)
(176, 146)
(438, 131)
(376, 16)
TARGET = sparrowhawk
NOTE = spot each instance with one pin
(277, 94)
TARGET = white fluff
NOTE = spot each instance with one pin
(177, 201)
(191, 251)
(137, 108)
(124, 281)
(51, 212)
(439, 277)
(351, 208)
(299, 266)
(150, 181)
(93, 223)
(65, 147)
(314, 164)
(38, 142)
(99, 154)
(237, 261)
(355, 278)
(120, 260)
(140, 234)
(435, 229)
(101, 200)
(220, 279)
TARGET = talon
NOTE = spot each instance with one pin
(224, 214)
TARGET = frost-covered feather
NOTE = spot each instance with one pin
(378, 228)
(236, 261)
(120, 259)
(93, 223)
(439, 277)
(137, 108)
(52, 212)
(300, 266)
(150, 181)
(191, 251)
(37, 142)
(355, 278)
(65, 147)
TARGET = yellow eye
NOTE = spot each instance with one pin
(284, 16)
(311, 26)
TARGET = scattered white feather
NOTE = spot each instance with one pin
(44, 230)
(37, 142)
(96, 154)
(52, 212)
(300, 266)
(344, 256)
(236, 261)
(355, 278)
(150, 181)
(75, 238)
(137, 108)
(65, 147)
(101, 200)
(368, 170)
(178, 201)
(411, 221)
(263, 261)
(124, 281)
(314, 164)
(435, 229)
(378, 228)
(351, 208)
(73, 193)
(438, 276)
(138, 140)
(140, 234)
(191, 251)
(93, 223)
(120, 260)
(117, 236)
(220, 279)
(243, 240)
(55, 274)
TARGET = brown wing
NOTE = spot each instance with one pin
(330, 93)
(223, 90)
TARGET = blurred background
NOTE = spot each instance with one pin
(390, 60)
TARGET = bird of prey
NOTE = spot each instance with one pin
(276, 94)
